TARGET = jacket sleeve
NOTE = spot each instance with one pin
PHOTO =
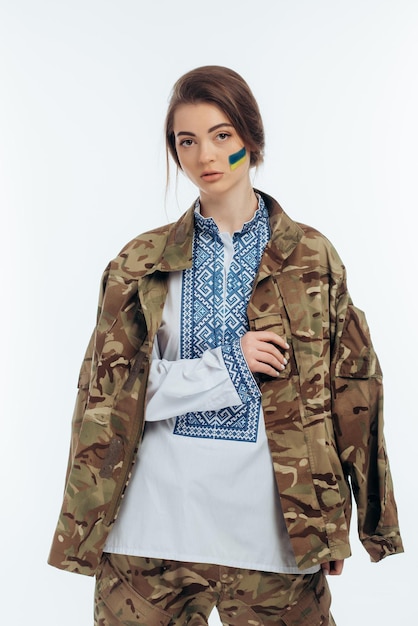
(83, 385)
(357, 406)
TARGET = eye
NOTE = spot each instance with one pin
(223, 136)
(186, 142)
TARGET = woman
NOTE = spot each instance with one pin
(228, 396)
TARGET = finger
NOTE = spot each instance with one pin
(333, 568)
(256, 358)
(260, 353)
(337, 567)
(263, 368)
(269, 336)
(266, 362)
(268, 353)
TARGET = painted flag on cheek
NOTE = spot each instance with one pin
(237, 158)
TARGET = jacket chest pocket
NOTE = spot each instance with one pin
(274, 323)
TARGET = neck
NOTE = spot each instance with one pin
(230, 211)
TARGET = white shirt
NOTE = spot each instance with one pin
(201, 495)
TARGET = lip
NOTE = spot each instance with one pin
(211, 175)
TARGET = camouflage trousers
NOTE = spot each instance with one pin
(136, 591)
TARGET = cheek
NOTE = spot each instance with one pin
(186, 167)
(237, 159)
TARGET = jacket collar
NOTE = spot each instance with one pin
(285, 235)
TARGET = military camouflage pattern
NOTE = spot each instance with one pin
(323, 414)
(154, 592)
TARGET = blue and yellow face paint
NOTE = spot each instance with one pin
(236, 159)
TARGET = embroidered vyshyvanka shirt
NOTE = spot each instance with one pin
(203, 487)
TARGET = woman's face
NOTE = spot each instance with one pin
(209, 149)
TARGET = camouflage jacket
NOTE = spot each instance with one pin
(323, 415)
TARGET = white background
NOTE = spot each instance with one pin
(84, 86)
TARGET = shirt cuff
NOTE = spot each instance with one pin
(239, 372)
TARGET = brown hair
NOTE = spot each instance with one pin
(227, 90)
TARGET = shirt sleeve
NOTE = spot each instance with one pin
(189, 385)
(239, 372)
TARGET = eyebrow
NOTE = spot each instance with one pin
(210, 130)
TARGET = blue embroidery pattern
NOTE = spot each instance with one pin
(219, 318)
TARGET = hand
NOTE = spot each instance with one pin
(261, 354)
(333, 568)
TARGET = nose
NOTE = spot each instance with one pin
(206, 152)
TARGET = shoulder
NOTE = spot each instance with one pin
(303, 246)
(316, 246)
(145, 252)
(148, 244)
(141, 253)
